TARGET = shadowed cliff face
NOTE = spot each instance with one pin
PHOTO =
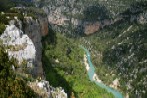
(44, 26)
(90, 28)
(35, 29)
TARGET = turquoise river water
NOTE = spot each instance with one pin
(91, 72)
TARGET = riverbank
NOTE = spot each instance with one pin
(66, 70)
(85, 62)
(93, 76)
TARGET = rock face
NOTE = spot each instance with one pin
(58, 93)
(43, 21)
(41, 87)
(33, 29)
(14, 37)
(68, 16)
(27, 46)
(46, 91)
(90, 28)
(58, 10)
(142, 18)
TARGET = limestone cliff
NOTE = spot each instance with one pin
(35, 30)
(22, 40)
(70, 16)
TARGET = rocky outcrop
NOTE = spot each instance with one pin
(70, 14)
(58, 92)
(19, 45)
(42, 88)
(33, 29)
(43, 21)
(90, 28)
(28, 47)
(25, 39)
(67, 16)
(142, 18)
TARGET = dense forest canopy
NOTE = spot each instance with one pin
(5, 5)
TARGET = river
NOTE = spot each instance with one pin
(91, 73)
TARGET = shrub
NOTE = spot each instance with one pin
(11, 86)
(2, 28)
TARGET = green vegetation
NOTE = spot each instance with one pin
(2, 28)
(6, 5)
(11, 85)
(63, 67)
(119, 51)
(26, 3)
(75, 16)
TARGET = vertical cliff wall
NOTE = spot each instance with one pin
(26, 46)
(35, 29)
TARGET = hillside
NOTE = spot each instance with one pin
(21, 72)
(116, 37)
(41, 54)
(119, 51)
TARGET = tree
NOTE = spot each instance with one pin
(11, 85)
(2, 28)
(5, 5)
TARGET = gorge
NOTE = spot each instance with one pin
(40, 53)
(93, 77)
